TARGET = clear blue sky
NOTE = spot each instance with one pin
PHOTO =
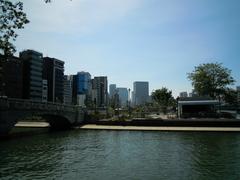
(159, 41)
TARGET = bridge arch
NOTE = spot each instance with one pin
(59, 116)
(57, 122)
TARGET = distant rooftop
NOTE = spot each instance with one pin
(54, 59)
(32, 51)
(140, 82)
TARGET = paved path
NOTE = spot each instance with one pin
(134, 128)
(32, 124)
(159, 128)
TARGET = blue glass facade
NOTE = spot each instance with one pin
(83, 82)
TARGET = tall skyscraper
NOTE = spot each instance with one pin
(44, 90)
(112, 90)
(133, 99)
(123, 96)
(73, 78)
(11, 77)
(67, 90)
(140, 92)
(83, 88)
(100, 86)
(83, 82)
(32, 74)
(53, 72)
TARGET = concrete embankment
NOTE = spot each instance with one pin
(173, 122)
(220, 125)
(230, 125)
(23, 129)
(158, 128)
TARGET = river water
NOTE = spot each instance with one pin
(99, 154)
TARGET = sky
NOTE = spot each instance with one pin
(158, 41)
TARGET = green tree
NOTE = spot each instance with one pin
(164, 98)
(230, 97)
(12, 18)
(211, 79)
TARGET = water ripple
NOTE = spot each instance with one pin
(122, 155)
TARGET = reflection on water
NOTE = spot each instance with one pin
(122, 155)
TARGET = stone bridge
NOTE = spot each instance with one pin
(58, 115)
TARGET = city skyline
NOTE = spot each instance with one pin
(127, 41)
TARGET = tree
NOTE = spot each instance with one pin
(211, 79)
(12, 18)
(164, 98)
(230, 97)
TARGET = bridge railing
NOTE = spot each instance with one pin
(13, 103)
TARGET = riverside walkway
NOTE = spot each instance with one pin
(33, 124)
(134, 128)
(158, 128)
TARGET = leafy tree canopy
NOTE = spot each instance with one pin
(163, 97)
(211, 79)
(12, 18)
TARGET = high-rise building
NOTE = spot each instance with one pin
(44, 90)
(53, 72)
(133, 99)
(183, 94)
(82, 88)
(112, 90)
(32, 74)
(94, 96)
(123, 96)
(74, 88)
(11, 77)
(83, 82)
(67, 90)
(100, 86)
(81, 100)
(141, 93)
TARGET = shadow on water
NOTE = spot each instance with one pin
(38, 156)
